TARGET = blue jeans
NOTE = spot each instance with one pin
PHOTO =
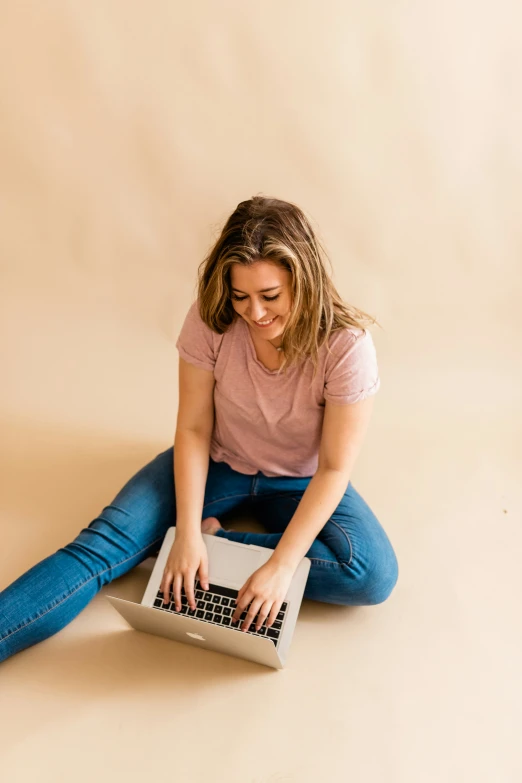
(353, 562)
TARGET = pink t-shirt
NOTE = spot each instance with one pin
(270, 423)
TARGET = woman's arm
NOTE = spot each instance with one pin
(343, 433)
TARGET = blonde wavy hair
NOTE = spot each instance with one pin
(268, 229)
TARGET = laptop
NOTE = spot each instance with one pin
(208, 626)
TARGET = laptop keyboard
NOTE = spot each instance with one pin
(217, 605)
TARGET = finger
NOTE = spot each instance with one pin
(243, 590)
(238, 608)
(240, 605)
(189, 589)
(165, 585)
(273, 613)
(203, 575)
(251, 614)
(178, 579)
(253, 610)
(263, 612)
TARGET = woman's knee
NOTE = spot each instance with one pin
(374, 582)
(381, 583)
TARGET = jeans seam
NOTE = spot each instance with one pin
(225, 498)
(322, 560)
(11, 633)
(347, 538)
(342, 531)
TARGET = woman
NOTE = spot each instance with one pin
(276, 384)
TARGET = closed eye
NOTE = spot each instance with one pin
(266, 298)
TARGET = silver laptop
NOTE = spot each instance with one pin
(208, 626)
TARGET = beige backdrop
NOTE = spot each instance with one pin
(129, 132)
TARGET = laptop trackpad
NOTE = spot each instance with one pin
(232, 563)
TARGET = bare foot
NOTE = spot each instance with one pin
(210, 526)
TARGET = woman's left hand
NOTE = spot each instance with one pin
(265, 591)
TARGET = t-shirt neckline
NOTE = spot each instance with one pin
(252, 349)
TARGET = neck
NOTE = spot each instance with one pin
(256, 337)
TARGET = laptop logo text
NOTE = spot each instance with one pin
(196, 636)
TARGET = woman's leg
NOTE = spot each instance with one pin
(353, 561)
(131, 528)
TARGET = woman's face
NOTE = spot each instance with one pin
(254, 304)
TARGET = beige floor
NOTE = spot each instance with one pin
(423, 687)
(127, 138)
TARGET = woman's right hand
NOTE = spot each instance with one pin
(187, 557)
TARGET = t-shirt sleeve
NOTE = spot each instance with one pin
(351, 372)
(195, 342)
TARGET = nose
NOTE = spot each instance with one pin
(257, 312)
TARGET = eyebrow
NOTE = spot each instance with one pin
(262, 291)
